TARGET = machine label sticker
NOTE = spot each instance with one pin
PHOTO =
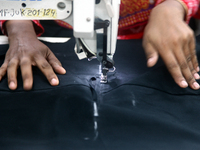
(29, 13)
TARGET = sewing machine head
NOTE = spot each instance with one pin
(95, 24)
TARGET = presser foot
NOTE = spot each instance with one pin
(103, 77)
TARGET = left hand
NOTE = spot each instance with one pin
(25, 51)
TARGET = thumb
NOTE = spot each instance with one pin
(151, 55)
(55, 63)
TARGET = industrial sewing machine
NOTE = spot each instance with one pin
(95, 24)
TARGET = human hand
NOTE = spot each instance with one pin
(25, 51)
(167, 35)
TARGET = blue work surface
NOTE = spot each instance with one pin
(139, 108)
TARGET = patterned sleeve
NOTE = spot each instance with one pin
(191, 7)
(39, 30)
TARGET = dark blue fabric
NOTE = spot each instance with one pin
(139, 108)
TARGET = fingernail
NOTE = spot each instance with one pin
(54, 81)
(63, 70)
(196, 76)
(149, 62)
(60, 68)
(196, 85)
(197, 69)
(27, 85)
(184, 84)
(12, 85)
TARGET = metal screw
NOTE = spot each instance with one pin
(61, 5)
(88, 19)
(104, 62)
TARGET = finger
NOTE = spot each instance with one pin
(12, 73)
(192, 69)
(3, 70)
(47, 70)
(188, 57)
(192, 49)
(55, 63)
(151, 55)
(185, 70)
(174, 69)
(26, 70)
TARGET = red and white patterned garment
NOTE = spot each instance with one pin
(134, 16)
(197, 15)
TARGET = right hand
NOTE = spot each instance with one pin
(168, 36)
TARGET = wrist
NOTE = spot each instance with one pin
(19, 27)
(180, 7)
(190, 6)
(172, 8)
